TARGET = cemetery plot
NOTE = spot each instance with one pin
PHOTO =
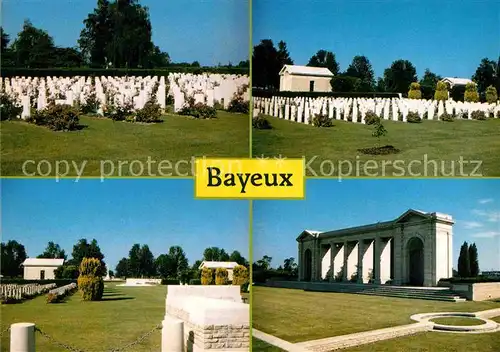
(304, 110)
(334, 151)
(13, 293)
(97, 137)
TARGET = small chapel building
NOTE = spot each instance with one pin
(295, 78)
(41, 268)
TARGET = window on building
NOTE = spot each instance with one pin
(311, 86)
(42, 274)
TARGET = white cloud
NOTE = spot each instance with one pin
(492, 216)
(486, 234)
(485, 201)
(471, 224)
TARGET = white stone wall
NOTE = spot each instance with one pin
(34, 272)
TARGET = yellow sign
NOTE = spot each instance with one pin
(249, 178)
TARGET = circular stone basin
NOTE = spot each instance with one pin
(458, 321)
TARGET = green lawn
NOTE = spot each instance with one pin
(440, 141)
(178, 138)
(436, 342)
(262, 346)
(122, 317)
(296, 315)
(460, 321)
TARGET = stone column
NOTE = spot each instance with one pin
(333, 253)
(398, 258)
(345, 264)
(172, 335)
(385, 261)
(376, 269)
(361, 254)
(301, 262)
(22, 337)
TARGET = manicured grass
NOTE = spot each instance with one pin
(436, 341)
(124, 315)
(178, 138)
(460, 321)
(441, 141)
(296, 315)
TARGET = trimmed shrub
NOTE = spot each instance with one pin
(195, 282)
(441, 91)
(240, 275)
(207, 276)
(415, 92)
(491, 95)
(151, 112)
(57, 118)
(91, 104)
(261, 122)
(170, 282)
(413, 117)
(371, 118)
(447, 117)
(478, 115)
(239, 105)
(322, 121)
(471, 94)
(90, 282)
(8, 108)
(221, 276)
(198, 110)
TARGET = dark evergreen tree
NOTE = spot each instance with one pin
(464, 261)
(473, 258)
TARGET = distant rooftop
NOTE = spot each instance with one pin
(43, 262)
(306, 71)
(214, 265)
(457, 81)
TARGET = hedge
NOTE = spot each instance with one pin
(86, 71)
(170, 282)
(19, 281)
(261, 93)
(470, 280)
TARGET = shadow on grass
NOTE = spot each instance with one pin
(104, 298)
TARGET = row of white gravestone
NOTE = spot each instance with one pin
(207, 88)
(28, 290)
(134, 92)
(301, 109)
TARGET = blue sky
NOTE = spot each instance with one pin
(448, 36)
(207, 31)
(330, 204)
(119, 213)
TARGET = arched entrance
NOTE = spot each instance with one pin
(416, 261)
(307, 265)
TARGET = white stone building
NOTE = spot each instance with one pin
(297, 78)
(415, 249)
(454, 81)
(229, 266)
(41, 268)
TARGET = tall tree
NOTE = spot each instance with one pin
(118, 33)
(473, 258)
(215, 254)
(146, 262)
(428, 83)
(134, 260)
(238, 258)
(264, 263)
(34, 47)
(399, 76)
(324, 58)
(12, 255)
(122, 269)
(362, 69)
(173, 264)
(487, 74)
(53, 251)
(5, 39)
(265, 65)
(84, 249)
(283, 56)
(464, 261)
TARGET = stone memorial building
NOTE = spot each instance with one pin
(415, 250)
(296, 78)
(41, 268)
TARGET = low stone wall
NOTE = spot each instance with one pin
(214, 317)
(479, 291)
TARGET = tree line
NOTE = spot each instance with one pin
(267, 61)
(116, 34)
(262, 270)
(140, 262)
